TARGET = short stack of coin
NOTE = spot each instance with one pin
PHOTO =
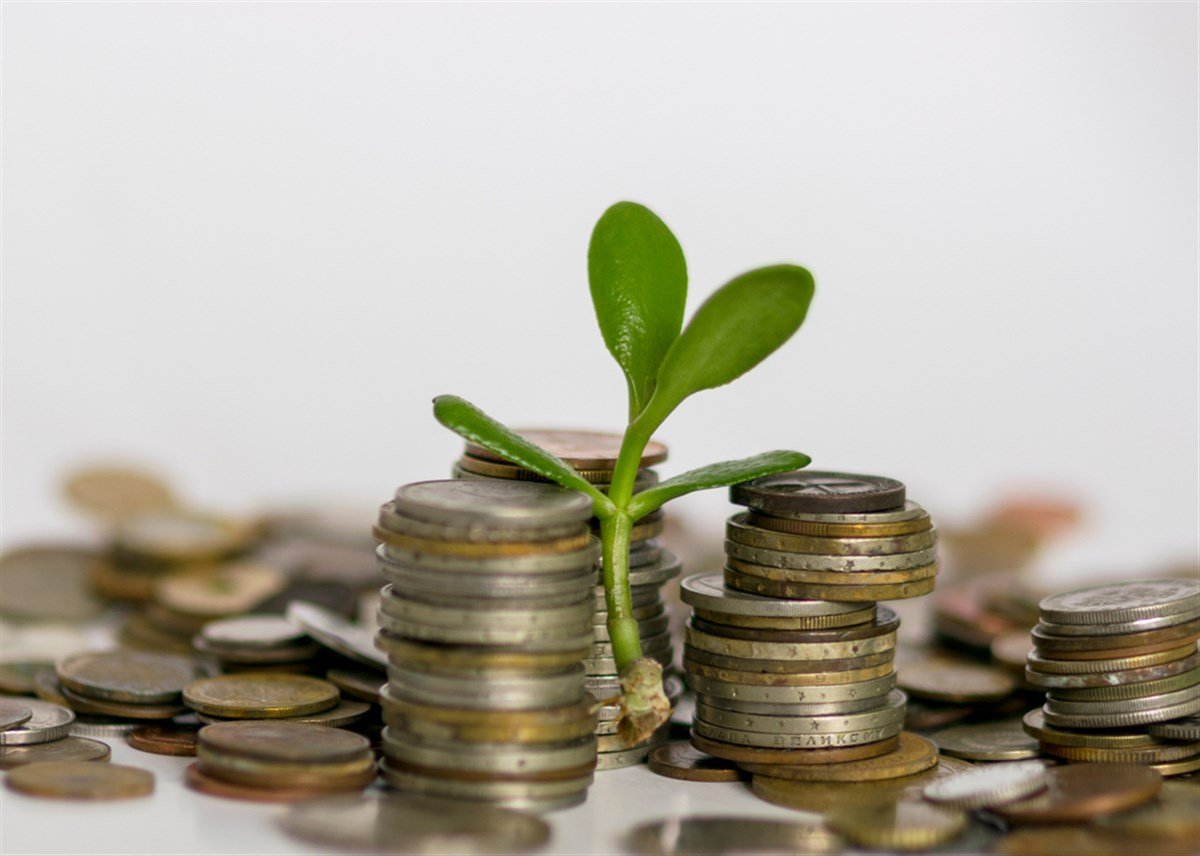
(34, 731)
(485, 622)
(594, 455)
(256, 643)
(125, 685)
(1119, 664)
(272, 695)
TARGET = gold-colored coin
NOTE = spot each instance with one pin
(260, 695)
(904, 825)
(587, 450)
(814, 591)
(284, 742)
(216, 591)
(483, 549)
(1177, 768)
(914, 755)
(123, 710)
(756, 650)
(815, 679)
(739, 530)
(824, 797)
(1043, 665)
(943, 679)
(1122, 692)
(198, 780)
(127, 676)
(256, 772)
(832, 578)
(67, 749)
(548, 725)
(1173, 814)
(1035, 725)
(1161, 754)
(1090, 840)
(796, 623)
(773, 755)
(117, 493)
(81, 780)
(823, 529)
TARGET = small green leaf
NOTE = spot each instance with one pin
(716, 475)
(733, 331)
(638, 279)
(467, 420)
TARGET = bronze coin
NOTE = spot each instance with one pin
(883, 622)
(913, 755)
(943, 679)
(127, 676)
(834, 577)
(80, 704)
(67, 749)
(588, 450)
(1048, 640)
(920, 523)
(80, 780)
(680, 760)
(790, 667)
(816, 492)
(260, 695)
(1090, 840)
(1077, 793)
(284, 742)
(759, 755)
(564, 775)
(167, 739)
(814, 591)
(198, 780)
(1163, 648)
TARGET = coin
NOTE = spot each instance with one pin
(890, 712)
(1119, 692)
(16, 676)
(1119, 706)
(1178, 768)
(906, 825)
(1121, 602)
(1187, 728)
(774, 755)
(596, 450)
(1112, 647)
(1056, 841)
(284, 742)
(707, 591)
(127, 676)
(1120, 628)
(790, 680)
(493, 691)
(77, 780)
(13, 714)
(358, 683)
(343, 637)
(1120, 720)
(912, 520)
(166, 739)
(727, 835)
(124, 710)
(1011, 650)
(824, 797)
(815, 492)
(751, 649)
(990, 786)
(495, 726)
(1077, 793)
(421, 655)
(66, 749)
(881, 622)
(1005, 740)
(532, 795)
(260, 695)
(1161, 753)
(48, 584)
(198, 780)
(1130, 675)
(828, 694)
(412, 824)
(500, 759)
(941, 679)
(1035, 725)
(492, 469)
(393, 521)
(45, 722)
(1173, 813)
(538, 563)
(767, 740)
(680, 760)
(852, 706)
(116, 493)
(183, 536)
(739, 530)
(913, 755)
(501, 503)
(847, 592)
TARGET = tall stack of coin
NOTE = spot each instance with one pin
(1122, 674)
(485, 623)
(594, 455)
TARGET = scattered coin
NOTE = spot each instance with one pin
(16, 676)
(679, 760)
(989, 786)
(336, 633)
(1080, 792)
(905, 825)
(127, 676)
(13, 713)
(48, 584)
(724, 836)
(1005, 740)
(170, 739)
(215, 591)
(117, 493)
(45, 722)
(913, 755)
(260, 695)
(1092, 840)
(764, 755)
(183, 536)
(1173, 813)
(81, 781)
(943, 679)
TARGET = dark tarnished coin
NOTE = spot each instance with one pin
(127, 676)
(67, 749)
(913, 755)
(888, 524)
(121, 709)
(260, 695)
(357, 683)
(725, 836)
(168, 739)
(412, 824)
(284, 742)
(990, 785)
(508, 504)
(681, 760)
(1121, 602)
(13, 713)
(1187, 728)
(762, 755)
(583, 450)
(941, 679)
(882, 622)
(1111, 678)
(815, 492)
(16, 676)
(904, 825)
(77, 780)
(48, 584)
(1004, 740)
(46, 722)
(1077, 793)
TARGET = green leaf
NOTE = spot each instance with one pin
(638, 279)
(733, 331)
(470, 422)
(716, 475)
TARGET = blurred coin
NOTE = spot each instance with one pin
(817, 622)
(843, 564)
(906, 825)
(1129, 670)
(501, 503)
(492, 469)
(1121, 602)
(791, 679)
(13, 713)
(183, 536)
(768, 740)
(499, 759)
(95, 725)
(123, 710)
(824, 797)
(828, 708)
(220, 590)
(391, 520)
(889, 713)
(1011, 650)
(910, 521)
(198, 780)
(284, 742)
(881, 621)
(410, 824)
(127, 676)
(1118, 692)
(44, 722)
(345, 712)
(1035, 725)
(48, 583)
(336, 633)
(991, 785)
(429, 657)
(739, 530)
(815, 492)
(166, 739)
(358, 683)
(681, 760)
(597, 450)
(943, 679)
(66, 749)
(1122, 706)
(532, 795)
(1005, 740)
(16, 676)
(1187, 728)
(1077, 793)
(815, 694)
(1173, 813)
(724, 836)
(751, 649)
(1094, 841)
(76, 780)
(1178, 768)
(913, 755)
(743, 754)
(1139, 626)
(260, 695)
(540, 563)
(116, 493)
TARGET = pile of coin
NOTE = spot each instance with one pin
(272, 695)
(594, 455)
(1122, 675)
(256, 643)
(35, 731)
(485, 622)
(126, 686)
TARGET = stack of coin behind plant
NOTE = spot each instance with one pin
(1122, 675)
(594, 455)
(485, 621)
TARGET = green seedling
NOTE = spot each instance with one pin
(638, 281)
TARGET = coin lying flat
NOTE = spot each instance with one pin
(588, 450)
(765, 755)
(942, 679)
(1112, 677)
(198, 780)
(1077, 793)
(1005, 740)
(1173, 814)
(410, 824)
(913, 755)
(718, 836)
(990, 786)
(13, 713)
(170, 739)
(46, 722)
(680, 760)
(76, 780)
(1092, 840)
(910, 520)
(905, 825)
(795, 695)
(127, 676)
(1110, 604)
(1187, 728)
(231, 588)
(183, 536)
(48, 583)
(707, 591)
(260, 695)
(16, 676)
(1160, 753)
(502, 503)
(815, 492)
(284, 742)
(66, 749)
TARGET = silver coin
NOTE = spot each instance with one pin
(843, 564)
(531, 640)
(415, 825)
(838, 739)
(1139, 626)
(910, 511)
(645, 478)
(989, 785)
(1120, 706)
(1122, 691)
(987, 741)
(421, 585)
(1120, 720)
(47, 722)
(665, 568)
(253, 631)
(471, 533)
(535, 563)
(502, 692)
(641, 613)
(493, 502)
(639, 596)
(708, 592)
(607, 666)
(856, 705)
(1187, 728)
(13, 713)
(730, 835)
(492, 758)
(1121, 602)
(753, 650)
(1044, 667)
(532, 796)
(646, 629)
(336, 633)
(873, 688)
(495, 616)
(646, 554)
(630, 757)
(96, 726)
(891, 712)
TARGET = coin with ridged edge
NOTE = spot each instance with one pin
(1186, 728)
(852, 591)
(912, 520)
(707, 591)
(875, 687)
(46, 722)
(66, 749)
(127, 676)
(1126, 674)
(913, 755)
(681, 760)
(80, 780)
(886, 714)
(1120, 602)
(990, 785)
(260, 695)
(1003, 740)
(1077, 793)
(501, 503)
(817, 492)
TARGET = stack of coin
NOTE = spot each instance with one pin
(125, 686)
(33, 731)
(272, 695)
(594, 455)
(275, 761)
(1119, 664)
(485, 622)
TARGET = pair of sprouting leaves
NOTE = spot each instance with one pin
(638, 280)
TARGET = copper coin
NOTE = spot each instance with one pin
(284, 742)
(79, 780)
(758, 755)
(816, 492)
(67, 749)
(127, 676)
(913, 755)
(80, 704)
(589, 450)
(169, 739)
(197, 780)
(1077, 793)
(942, 679)
(883, 622)
(680, 760)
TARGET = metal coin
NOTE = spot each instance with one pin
(1155, 670)
(16, 676)
(793, 695)
(1172, 814)
(1125, 705)
(127, 676)
(66, 749)
(198, 780)
(905, 825)
(742, 754)
(915, 520)
(345, 712)
(530, 795)
(46, 722)
(505, 504)
(798, 679)
(644, 479)
(446, 588)
(1162, 753)
(538, 563)
(494, 758)
(117, 493)
(343, 637)
(493, 469)
(954, 681)
(77, 780)
(856, 705)
(89, 725)
(484, 549)
(1139, 626)
(1120, 720)
(532, 639)
(500, 691)
(1077, 793)
(889, 713)
(48, 584)
(1187, 728)
(853, 564)
(120, 709)
(260, 695)
(13, 713)
(412, 824)
(392, 521)
(358, 683)
(991, 785)
(739, 530)
(183, 536)
(862, 593)
(427, 657)
(1178, 768)
(1121, 602)
(396, 606)
(723, 621)
(724, 836)
(1119, 692)
(1011, 650)
(216, 591)
(681, 760)
(253, 631)
(879, 620)
(594, 450)
(625, 757)
(1035, 725)
(1004, 740)
(284, 742)
(837, 740)
(750, 649)
(169, 739)
(1066, 646)
(255, 772)
(784, 670)
(1092, 840)
(831, 578)
(815, 492)
(913, 755)
(574, 716)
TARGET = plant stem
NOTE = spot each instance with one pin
(622, 627)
